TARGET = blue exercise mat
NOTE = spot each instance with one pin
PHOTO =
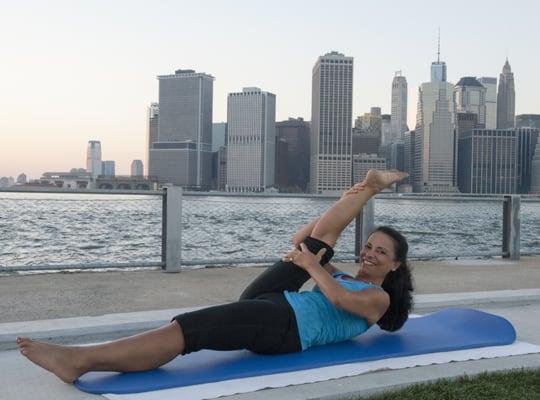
(447, 330)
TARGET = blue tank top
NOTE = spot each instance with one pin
(319, 321)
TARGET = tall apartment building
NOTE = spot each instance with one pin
(93, 158)
(251, 140)
(399, 106)
(488, 161)
(182, 154)
(331, 119)
(434, 137)
(470, 97)
(506, 98)
(491, 101)
(292, 155)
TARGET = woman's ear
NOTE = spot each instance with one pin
(397, 264)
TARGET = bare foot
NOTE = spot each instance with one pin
(63, 361)
(378, 180)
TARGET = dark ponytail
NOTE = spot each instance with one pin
(398, 284)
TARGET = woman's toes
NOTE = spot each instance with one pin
(23, 342)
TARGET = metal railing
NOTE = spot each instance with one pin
(40, 195)
(205, 229)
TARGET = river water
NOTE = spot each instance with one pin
(83, 228)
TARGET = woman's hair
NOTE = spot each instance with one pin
(398, 284)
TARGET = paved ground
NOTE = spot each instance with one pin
(47, 296)
(58, 306)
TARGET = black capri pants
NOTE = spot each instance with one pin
(262, 320)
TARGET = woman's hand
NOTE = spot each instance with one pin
(304, 258)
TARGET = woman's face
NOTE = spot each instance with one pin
(377, 257)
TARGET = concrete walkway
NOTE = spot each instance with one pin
(89, 307)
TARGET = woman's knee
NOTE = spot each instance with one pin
(314, 245)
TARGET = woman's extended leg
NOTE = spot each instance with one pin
(141, 352)
(335, 220)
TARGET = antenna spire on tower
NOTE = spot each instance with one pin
(439, 46)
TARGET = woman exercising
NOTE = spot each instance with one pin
(272, 316)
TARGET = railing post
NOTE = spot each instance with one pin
(365, 223)
(164, 228)
(172, 228)
(511, 227)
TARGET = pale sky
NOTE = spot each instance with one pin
(73, 70)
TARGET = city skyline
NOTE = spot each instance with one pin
(79, 71)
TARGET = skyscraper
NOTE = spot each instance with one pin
(108, 168)
(528, 121)
(395, 155)
(506, 98)
(434, 138)
(183, 153)
(489, 161)
(491, 101)
(362, 163)
(409, 149)
(527, 140)
(387, 135)
(470, 96)
(365, 142)
(370, 123)
(535, 171)
(292, 155)
(93, 158)
(137, 168)
(331, 118)
(251, 140)
(219, 133)
(367, 132)
(151, 130)
(399, 106)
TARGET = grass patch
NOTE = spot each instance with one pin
(523, 384)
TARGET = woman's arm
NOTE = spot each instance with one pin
(370, 304)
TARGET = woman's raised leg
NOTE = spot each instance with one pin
(335, 219)
(285, 275)
(141, 352)
(319, 233)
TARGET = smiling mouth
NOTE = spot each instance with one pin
(369, 263)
